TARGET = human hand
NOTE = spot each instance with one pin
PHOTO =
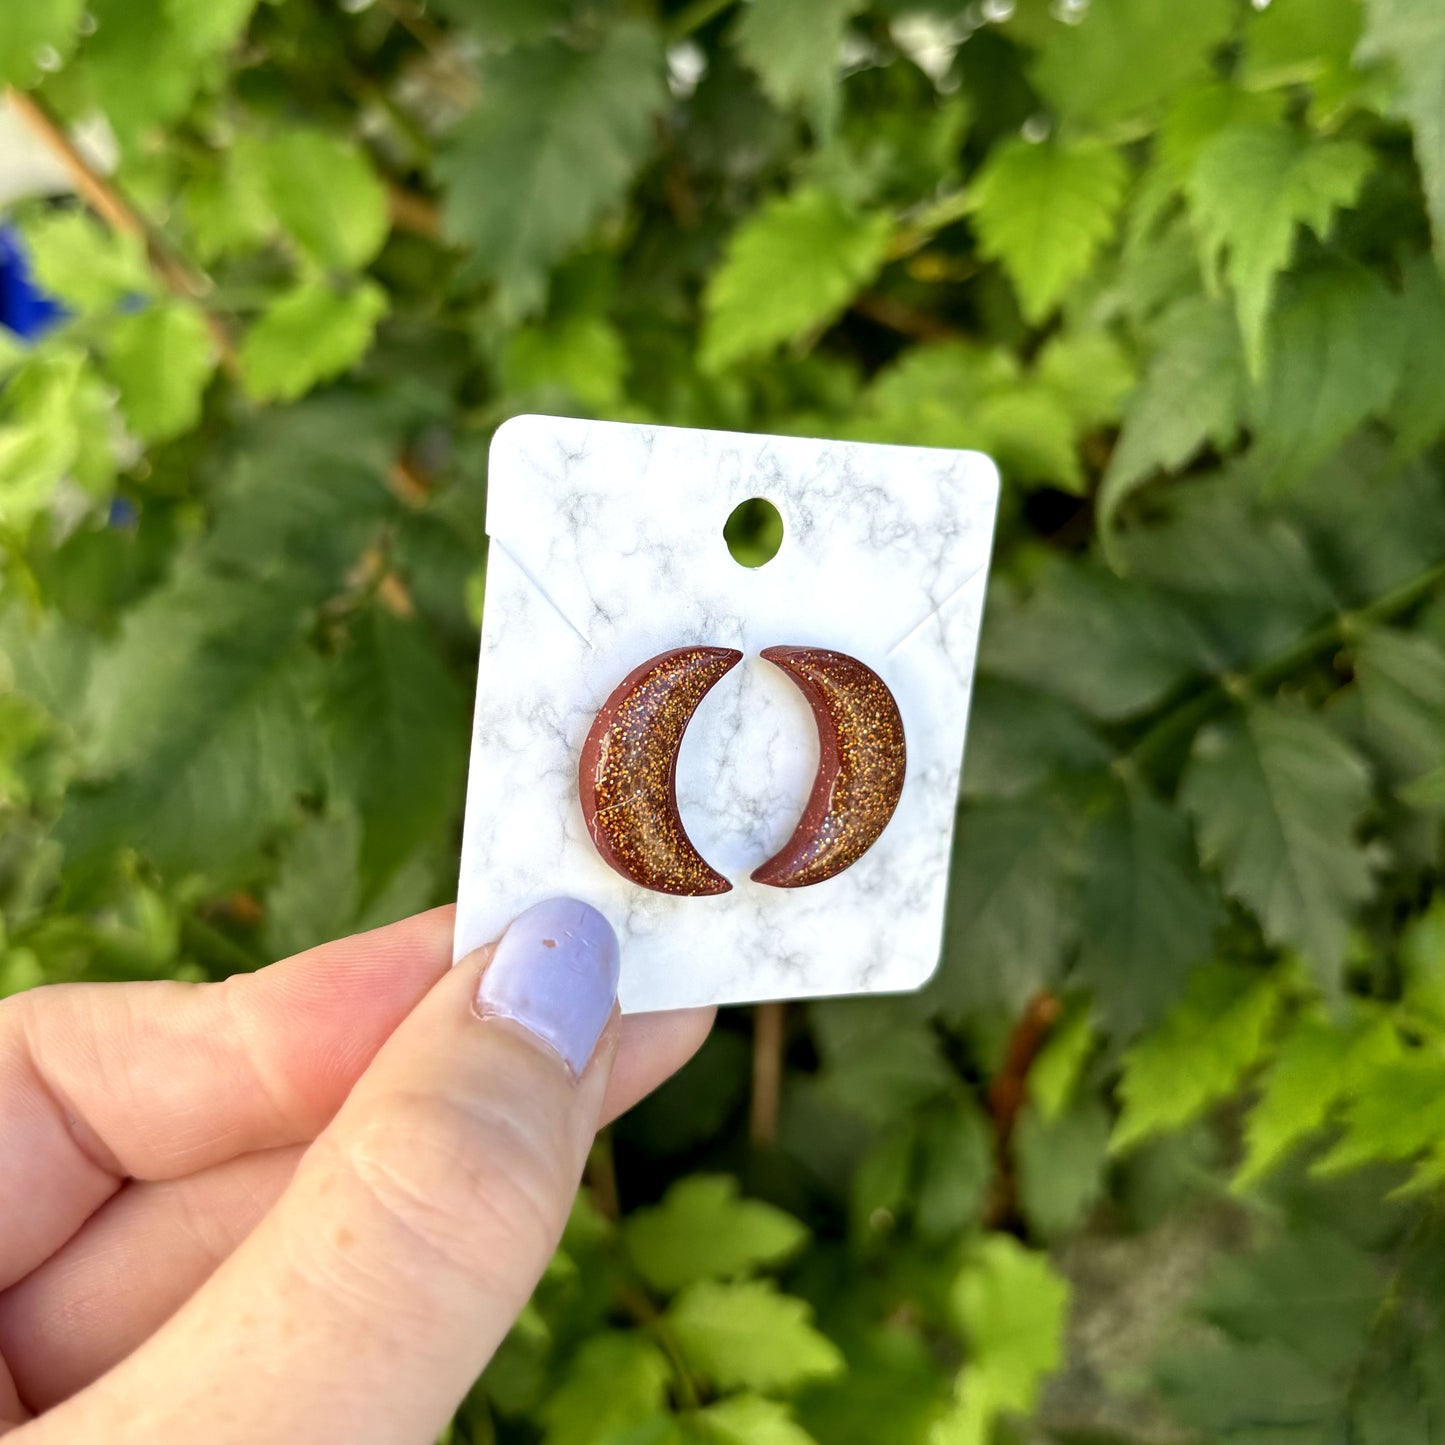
(304, 1204)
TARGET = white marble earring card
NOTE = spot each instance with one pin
(606, 549)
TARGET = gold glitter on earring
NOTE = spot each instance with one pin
(862, 759)
(628, 773)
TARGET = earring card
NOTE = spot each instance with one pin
(606, 548)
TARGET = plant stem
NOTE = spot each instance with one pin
(694, 17)
(1009, 1090)
(1190, 714)
(104, 197)
(768, 1020)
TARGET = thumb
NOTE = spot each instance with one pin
(365, 1304)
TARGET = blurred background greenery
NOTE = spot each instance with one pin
(1159, 1155)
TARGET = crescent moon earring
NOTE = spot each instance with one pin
(628, 771)
(862, 758)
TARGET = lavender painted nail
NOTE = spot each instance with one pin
(555, 973)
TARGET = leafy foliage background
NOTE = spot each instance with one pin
(1159, 1156)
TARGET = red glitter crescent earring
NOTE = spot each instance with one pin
(628, 773)
(862, 758)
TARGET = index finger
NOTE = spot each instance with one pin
(103, 1082)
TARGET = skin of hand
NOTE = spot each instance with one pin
(304, 1204)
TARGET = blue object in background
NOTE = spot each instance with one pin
(26, 310)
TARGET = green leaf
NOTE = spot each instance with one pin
(161, 360)
(1012, 911)
(1302, 44)
(323, 192)
(1192, 395)
(211, 24)
(1126, 56)
(309, 335)
(1089, 372)
(1110, 647)
(1199, 1054)
(583, 355)
(1012, 1307)
(955, 1168)
(54, 426)
(1148, 916)
(1411, 33)
(1401, 682)
(1060, 1063)
(1422, 962)
(751, 1420)
(1061, 1164)
(1396, 1113)
(78, 261)
(316, 896)
(1418, 409)
(31, 28)
(1336, 348)
(795, 51)
(1277, 798)
(703, 1230)
(197, 721)
(1019, 738)
(1044, 211)
(396, 723)
(614, 1380)
(1314, 1068)
(1249, 190)
(748, 1336)
(826, 250)
(555, 142)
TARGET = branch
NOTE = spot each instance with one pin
(768, 1035)
(420, 215)
(106, 200)
(1008, 1092)
(905, 319)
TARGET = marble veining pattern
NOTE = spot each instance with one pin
(607, 548)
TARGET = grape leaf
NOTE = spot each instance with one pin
(1044, 211)
(54, 426)
(1148, 916)
(315, 897)
(160, 360)
(1012, 911)
(1019, 738)
(1336, 348)
(1396, 1112)
(1411, 33)
(210, 24)
(750, 1420)
(1400, 678)
(555, 141)
(28, 30)
(1127, 56)
(794, 50)
(1199, 1054)
(1011, 1306)
(1060, 1062)
(1112, 648)
(748, 1336)
(1250, 188)
(1302, 45)
(703, 1230)
(955, 1166)
(1089, 372)
(1418, 410)
(78, 261)
(1314, 1068)
(1192, 394)
(322, 192)
(397, 726)
(583, 355)
(1277, 798)
(308, 335)
(613, 1381)
(1061, 1164)
(825, 249)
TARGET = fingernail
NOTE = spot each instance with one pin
(555, 973)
